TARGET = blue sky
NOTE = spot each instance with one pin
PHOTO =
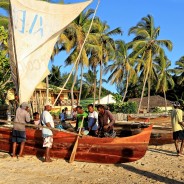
(168, 14)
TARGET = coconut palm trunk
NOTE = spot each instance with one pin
(149, 87)
(80, 92)
(72, 88)
(94, 96)
(100, 85)
(143, 89)
(126, 88)
(165, 102)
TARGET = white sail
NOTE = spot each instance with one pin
(36, 27)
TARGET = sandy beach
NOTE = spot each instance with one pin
(159, 165)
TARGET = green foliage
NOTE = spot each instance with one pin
(4, 4)
(55, 114)
(5, 82)
(100, 49)
(126, 107)
(4, 21)
(58, 79)
(157, 110)
(85, 102)
(117, 97)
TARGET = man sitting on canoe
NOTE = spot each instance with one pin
(92, 121)
(80, 114)
(178, 133)
(106, 122)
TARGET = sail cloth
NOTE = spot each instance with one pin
(36, 28)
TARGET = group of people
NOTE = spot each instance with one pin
(99, 124)
(63, 114)
(94, 123)
(19, 135)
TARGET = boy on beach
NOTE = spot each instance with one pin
(178, 133)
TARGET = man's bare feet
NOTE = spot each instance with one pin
(180, 154)
(47, 160)
(14, 156)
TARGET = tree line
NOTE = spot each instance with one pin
(138, 68)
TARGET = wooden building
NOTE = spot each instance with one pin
(39, 98)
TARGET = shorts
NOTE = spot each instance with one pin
(178, 135)
(47, 142)
(18, 136)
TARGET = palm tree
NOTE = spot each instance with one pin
(165, 80)
(88, 83)
(104, 51)
(106, 46)
(72, 40)
(122, 68)
(146, 46)
(179, 70)
(55, 76)
(4, 4)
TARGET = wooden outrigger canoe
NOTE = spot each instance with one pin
(160, 134)
(155, 120)
(90, 149)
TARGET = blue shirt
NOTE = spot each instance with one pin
(62, 117)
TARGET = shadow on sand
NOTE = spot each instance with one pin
(150, 175)
(40, 151)
(165, 152)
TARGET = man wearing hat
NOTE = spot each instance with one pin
(18, 134)
(178, 133)
(74, 112)
(47, 121)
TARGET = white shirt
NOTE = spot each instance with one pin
(91, 118)
(47, 118)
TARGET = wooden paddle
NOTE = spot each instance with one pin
(72, 157)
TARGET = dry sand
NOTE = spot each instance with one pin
(159, 165)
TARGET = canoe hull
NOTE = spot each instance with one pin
(90, 149)
(160, 120)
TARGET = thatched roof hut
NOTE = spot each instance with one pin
(155, 101)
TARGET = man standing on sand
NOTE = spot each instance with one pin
(178, 133)
(106, 122)
(47, 121)
(19, 135)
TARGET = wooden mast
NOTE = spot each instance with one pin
(47, 89)
(14, 53)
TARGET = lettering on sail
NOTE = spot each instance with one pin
(26, 23)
